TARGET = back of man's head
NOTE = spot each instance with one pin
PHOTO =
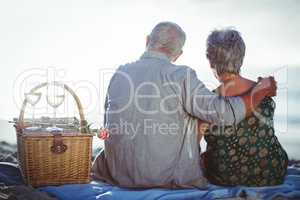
(168, 38)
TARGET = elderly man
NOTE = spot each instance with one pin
(152, 108)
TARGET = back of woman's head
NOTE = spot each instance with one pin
(225, 50)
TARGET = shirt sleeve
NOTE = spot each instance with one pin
(200, 102)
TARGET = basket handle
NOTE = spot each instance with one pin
(66, 87)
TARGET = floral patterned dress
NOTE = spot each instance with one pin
(247, 154)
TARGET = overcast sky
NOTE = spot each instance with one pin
(82, 37)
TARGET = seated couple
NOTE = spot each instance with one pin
(155, 112)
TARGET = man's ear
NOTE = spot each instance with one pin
(147, 40)
(178, 55)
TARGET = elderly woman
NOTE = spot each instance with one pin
(247, 153)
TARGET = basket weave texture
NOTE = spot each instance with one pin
(54, 159)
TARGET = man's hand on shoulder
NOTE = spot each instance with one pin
(266, 87)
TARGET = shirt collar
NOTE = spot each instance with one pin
(154, 54)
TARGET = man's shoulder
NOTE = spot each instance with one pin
(179, 71)
(167, 69)
(183, 68)
(168, 65)
(128, 65)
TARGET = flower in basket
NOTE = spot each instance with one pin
(103, 134)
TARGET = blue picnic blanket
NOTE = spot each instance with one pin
(98, 190)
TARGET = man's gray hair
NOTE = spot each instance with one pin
(225, 50)
(167, 36)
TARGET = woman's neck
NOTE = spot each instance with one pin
(234, 84)
(229, 78)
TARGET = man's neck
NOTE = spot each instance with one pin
(161, 51)
(157, 54)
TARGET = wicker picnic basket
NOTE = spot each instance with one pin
(54, 159)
